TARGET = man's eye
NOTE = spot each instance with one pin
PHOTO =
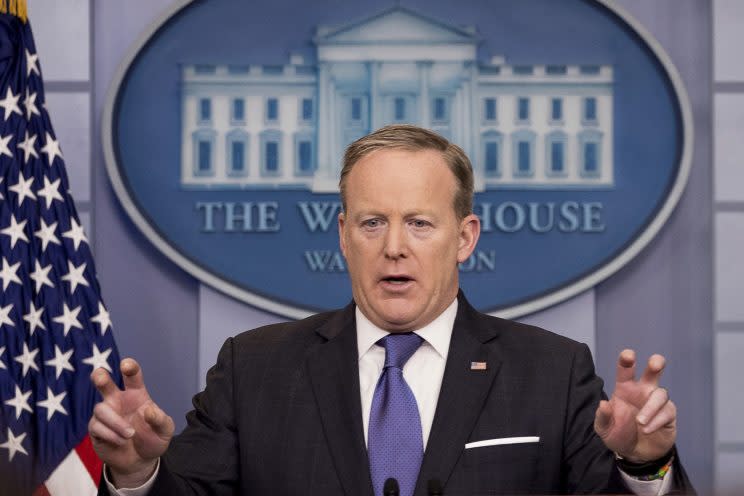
(419, 224)
(372, 223)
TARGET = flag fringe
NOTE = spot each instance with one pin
(14, 7)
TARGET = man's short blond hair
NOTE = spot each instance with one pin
(414, 138)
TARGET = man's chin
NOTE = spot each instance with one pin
(399, 319)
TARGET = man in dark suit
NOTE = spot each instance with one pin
(409, 382)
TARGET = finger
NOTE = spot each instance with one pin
(626, 366)
(653, 370)
(655, 402)
(132, 373)
(100, 432)
(161, 423)
(667, 416)
(110, 418)
(603, 418)
(103, 383)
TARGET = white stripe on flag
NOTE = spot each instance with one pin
(71, 478)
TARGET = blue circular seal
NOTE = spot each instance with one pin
(225, 127)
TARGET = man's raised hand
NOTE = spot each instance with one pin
(129, 431)
(639, 422)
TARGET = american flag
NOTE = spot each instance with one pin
(54, 327)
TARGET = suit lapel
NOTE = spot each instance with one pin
(462, 396)
(333, 368)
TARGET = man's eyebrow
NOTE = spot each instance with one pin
(367, 213)
(419, 211)
(377, 213)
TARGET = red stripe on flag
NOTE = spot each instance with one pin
(90, 459)
(41, 491)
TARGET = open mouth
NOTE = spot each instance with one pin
(397, 280)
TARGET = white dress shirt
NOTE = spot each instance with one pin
(423, 372)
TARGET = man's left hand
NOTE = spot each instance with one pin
(639, 422)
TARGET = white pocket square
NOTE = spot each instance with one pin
(503, 440)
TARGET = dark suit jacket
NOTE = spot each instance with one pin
(281, 415)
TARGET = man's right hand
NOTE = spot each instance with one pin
(129, 431)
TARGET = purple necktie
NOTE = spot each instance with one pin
(395, 443)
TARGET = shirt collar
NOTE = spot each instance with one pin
(437, 333)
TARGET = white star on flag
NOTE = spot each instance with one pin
(15, 231)
(10, 104)
(30, 104)
(33, 317)
(20, 402)
(32, 60)
(27, 359)
(53, 403)
(50, 191)
(76, 233)
(69, 319)
(23, 188)
(75, 275)
(99, 360)
(14, 444)
(51, 149)
(103, 319)
(8, 273)
(40, 275)
(4, 149)
(29, 147)
(2, 364)
(61, 361)
(46, 234)
(5, 315)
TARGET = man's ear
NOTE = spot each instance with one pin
(341, 232)
(469, 233)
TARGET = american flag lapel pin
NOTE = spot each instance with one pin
(478, 366)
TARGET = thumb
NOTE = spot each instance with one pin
(603, 418)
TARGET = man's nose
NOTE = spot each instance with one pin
(396, 241)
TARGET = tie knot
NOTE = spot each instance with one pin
(399, 348)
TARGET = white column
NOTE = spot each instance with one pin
(375, 104)
(424, 70)
(467, 142)
(323, 180)
(324, 130)
(473, 106)
(334, 165)
(458, 117)
(220, 113)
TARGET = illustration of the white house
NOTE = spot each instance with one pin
(286, 126)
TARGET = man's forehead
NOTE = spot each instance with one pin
(419, 166)
(400, 189)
